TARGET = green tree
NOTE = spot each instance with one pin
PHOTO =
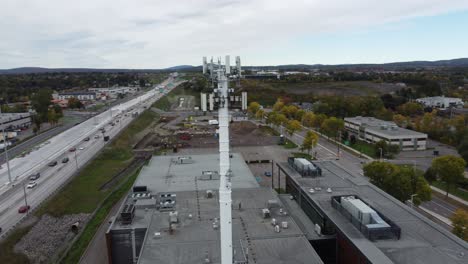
(410, 109)
(253, 108)
(310, 141)
(399, 181)
(449, 169)
(52, 116)
(58, 110)
(260, 114)
(278, 105)
(460, 224)
(293, 126)
(308, 118)
(332, 125)
(74, 103)
(463, 147)
(40, 102)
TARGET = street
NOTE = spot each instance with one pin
(55, 149)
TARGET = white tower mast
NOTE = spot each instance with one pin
(224, 170)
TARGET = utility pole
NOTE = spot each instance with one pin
(6, 155)
(381, 151)
(25, 199)
(76, 161)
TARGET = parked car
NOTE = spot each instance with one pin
(52, 163)
(31, 185)
(267, 173)
(23, 209)
(86, 139)
(65, 160)
(34, 176)
(72, 149)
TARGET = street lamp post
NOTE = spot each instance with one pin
(6, 155)
(76, 161)
(25, 199)
(412, 196)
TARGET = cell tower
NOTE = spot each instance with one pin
(222, 94)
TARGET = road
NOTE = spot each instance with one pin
(55, 149)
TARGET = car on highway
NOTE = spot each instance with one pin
(72, 149)
(31, 185)
(97, 136)
(1, 230)
(34, 176)
(86, 139)
(65, 160)
(81, 148)
(52, 163)
(23, 209)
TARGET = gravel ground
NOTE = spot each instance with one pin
(48, 235)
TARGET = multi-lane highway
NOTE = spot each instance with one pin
(57, 148)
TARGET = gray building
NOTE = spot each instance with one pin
(352, 221)
(172, 217)
(441, 102)
(82, 96)
(13, 121)
(373, 130)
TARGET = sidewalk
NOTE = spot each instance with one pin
(450, 195)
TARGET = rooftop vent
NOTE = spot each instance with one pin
(127, 214)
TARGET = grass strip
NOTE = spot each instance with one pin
(80, 245)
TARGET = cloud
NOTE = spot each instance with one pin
(153, 34)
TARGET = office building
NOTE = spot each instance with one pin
(373, 130)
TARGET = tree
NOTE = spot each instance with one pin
(58, 110)
(318, 120)
(293, 126)
(449, 169)
(463, 147)
(332, 125)
(410, 109)
(253, 108)
(74, 103)
(308, 118)
(52, 116)
(41, 101)
(430, 175)
(399, 181)
(460, 224)
(388, 150)
(278, 105)
(310, 141)
(259, 114)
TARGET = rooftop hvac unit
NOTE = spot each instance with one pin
(265, 213)
(173, 217)
(127, 214)
(272, 204)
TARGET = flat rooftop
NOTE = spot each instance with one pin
(195, 237)
(421, 241)
(387, 128)
(164, 174)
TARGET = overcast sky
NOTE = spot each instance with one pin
(157, 34)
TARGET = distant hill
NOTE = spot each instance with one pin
(26, 70)
(179, 67)
(462, 62)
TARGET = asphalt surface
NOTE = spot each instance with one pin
(30, 143)
(57, 148)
